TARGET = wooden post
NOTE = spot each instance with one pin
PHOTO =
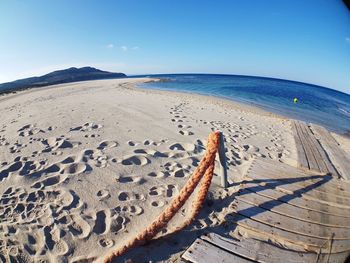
(223, 165)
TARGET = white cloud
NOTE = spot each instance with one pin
(126, 48)
(110, 46)
(347, 39)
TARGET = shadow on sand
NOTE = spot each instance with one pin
(162, 248)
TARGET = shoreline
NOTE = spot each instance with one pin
(236, 104)
(98, 160)
(224, 101)
(247, 106)
(142, 80)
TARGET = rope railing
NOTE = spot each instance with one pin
(204, 170)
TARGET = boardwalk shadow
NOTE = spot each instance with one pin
(162, 248)
(273, 184)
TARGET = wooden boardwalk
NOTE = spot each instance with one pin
(287, 214)
(319, 151)
(339, 158)
(311, 154)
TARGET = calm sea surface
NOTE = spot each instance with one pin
(316, 104)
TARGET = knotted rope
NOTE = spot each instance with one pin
(204, 169)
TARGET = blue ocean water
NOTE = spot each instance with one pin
(319, 105)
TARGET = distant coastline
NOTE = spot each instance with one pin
(59, 77)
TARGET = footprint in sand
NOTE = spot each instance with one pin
(135, 160)
(28, 130)
(103, 194)
(181, 173)
(55, 143)
(158, 203)
(149, 142)
(50, 181)
(74, 169)
(54, 241)
(159, 174)
(129, 196)
(78, 227)
(186, 133)
(128, 210)
(13, 167)
(132, 143)
(176, 120)
(165, 190)
(177, 170)
(106, 242)
(91, 135)
(182, 147)
(17, 147)
(107, 144)
(102, 222)
(89, 126)
(118, 223)
(250, 148)
(131, 179)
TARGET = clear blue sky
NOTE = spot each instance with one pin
(303, 40)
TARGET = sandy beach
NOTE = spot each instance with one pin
(85, 166)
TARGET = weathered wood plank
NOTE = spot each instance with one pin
(309, 155)
(201, 251)
(290, 224)
(289, 239)
(316, 156)
(313, 147)
(303, 202)
(323, 155)
(293, 187)
(222, 162)
(339, 158)
(285, 170)
(259, 251)
(292, 211)
(302, 160)
(311, 194)
(287, 174)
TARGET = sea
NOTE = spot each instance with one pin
(324, 106)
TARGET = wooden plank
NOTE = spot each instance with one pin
(339, 158)
(285, 171)
(311, 194)
(259, 251)
(287, 238)
(309, 155)
(292, 211)
(290, 224)
(302, 160)
(304, 203)
(313, 146)
(261, 171)
(270, 170)
(323, 155)
(201, 251)
(307, 148)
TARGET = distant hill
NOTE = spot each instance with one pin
(58, 77)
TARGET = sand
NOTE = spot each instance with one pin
(85, 166)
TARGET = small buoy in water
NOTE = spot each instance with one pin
(295, 100)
